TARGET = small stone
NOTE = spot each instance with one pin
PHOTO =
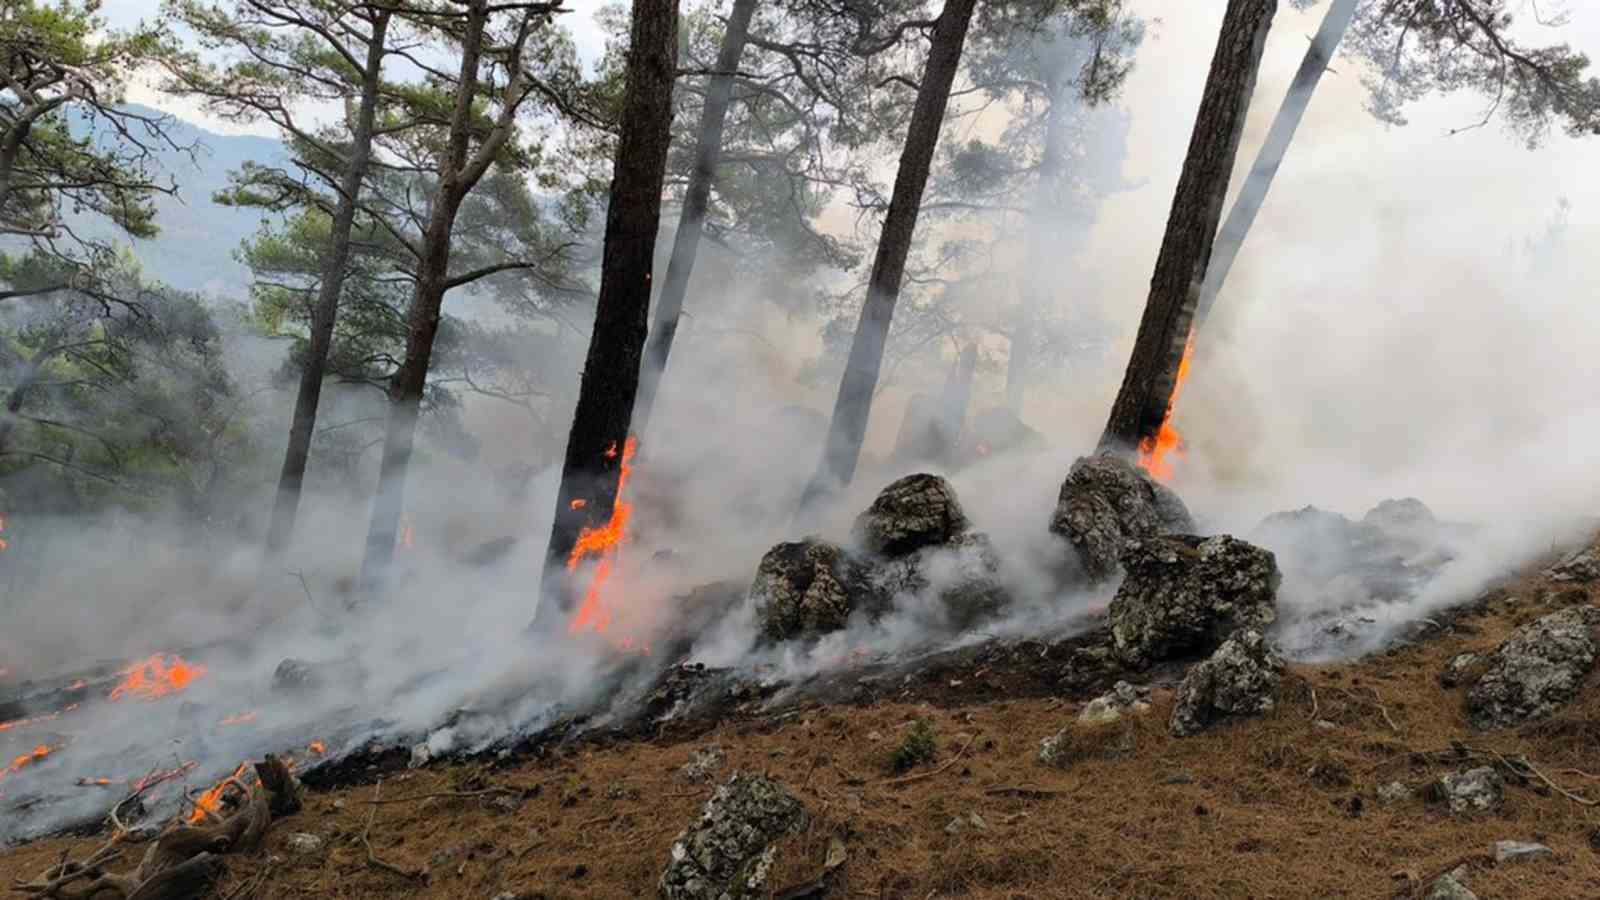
(1449, 886)
(508, 803)
(1109, 707)
(1460, 669)
(339, 804)
(420, 756)
(703, 764)
(955, 826)
(1392, 793)
(976, 821)
(1178, 778)
(303, 843)
(1324, 725)
(1520, 851)
(836, 855)
(874, 736)
(1475, 790)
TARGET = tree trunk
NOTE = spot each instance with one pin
(1036, 286)
(336, 257)
(422, 321)
(1143, 401)
(691, 221)
(957, 397)
(851, 409)
(1245, 207)
(610, 385)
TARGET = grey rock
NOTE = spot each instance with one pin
(1451, 886)
(1461, 669)
(914, 512)
(421, 755)
(1240, 679)
(971, 821)
(964, 575)
(727, 853)
(805, 589)
(1581, 567)
(703, 764)
(1472, 791)
(302, 843)
(1122, 699)
(1520, 851)
(506, 803)
(1393, 793)
(1185, 595)
(1538, 669)
(1106, 502)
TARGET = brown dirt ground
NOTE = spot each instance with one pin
(1276, 807)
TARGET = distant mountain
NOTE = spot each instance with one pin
(194, 250)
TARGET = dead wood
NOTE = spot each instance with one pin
(282, 787)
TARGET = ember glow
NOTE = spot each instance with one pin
(239, 719)
(3, 543)
(210, 803)
(158, 676)
(27, 759)
(408, 536)
(317, 747)
(1155, 453)
(602, 543)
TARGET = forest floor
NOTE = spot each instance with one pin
(1282, 806)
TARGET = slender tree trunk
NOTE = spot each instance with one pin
(1036, 286)
(422, 321)
(957, 397)
(1143, 401)
(324, 316)
(691, 220)
(853, 406)
(1254, 193)
(610, 385)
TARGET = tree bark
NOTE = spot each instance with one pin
(691, 220)
(610, 385)
(324, 316)
(1254, 193)
(1143, 401)
(853, 405)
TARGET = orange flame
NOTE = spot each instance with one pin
(602, 542)
(3, 542)
(408, 535)
(211, 801)
(578, 503)
(94, 782)
(26, 759)
(317, 747)
(1154, 452)
(156, 677)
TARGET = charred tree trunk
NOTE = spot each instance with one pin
(601, 421)
(1143, 401)
(1254, 193)
(691, 221)
(853, 406)
(336, 257)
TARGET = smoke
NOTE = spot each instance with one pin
(1385, 333)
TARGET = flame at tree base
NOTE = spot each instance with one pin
(601, 543)
(1156, 453)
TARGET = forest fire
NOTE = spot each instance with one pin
(3, 542)
(602, 543)
(1154, 452)
(210, 803)
(27, 759)
(156, 677)
(408, 535)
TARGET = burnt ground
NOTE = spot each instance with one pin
(1280, 806)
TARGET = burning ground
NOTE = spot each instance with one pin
(565, 773)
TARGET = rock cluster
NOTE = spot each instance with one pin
(1538, 669)
(1473, 791)
(1184, 595)
(1581, 567)
(1106, 503)
(727, 853)
(914, 539)
(1240, 679)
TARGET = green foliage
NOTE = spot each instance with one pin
(919, 746)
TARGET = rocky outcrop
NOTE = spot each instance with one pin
(805, 589)
(1240, 679)
(1473, 791)
(1184, 595)
(1538, 669)
(914, 512)
(727, 853)
(1582, 567)
(1107, 502)
(1463, 668)
(1123, 699)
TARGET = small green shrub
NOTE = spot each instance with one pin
(918, 747)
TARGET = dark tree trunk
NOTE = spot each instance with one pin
(610, 382)
(1041, 233)
(851, 409)
(691, 221)
(1245, 207)
(1143, 401)
(325, 314)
